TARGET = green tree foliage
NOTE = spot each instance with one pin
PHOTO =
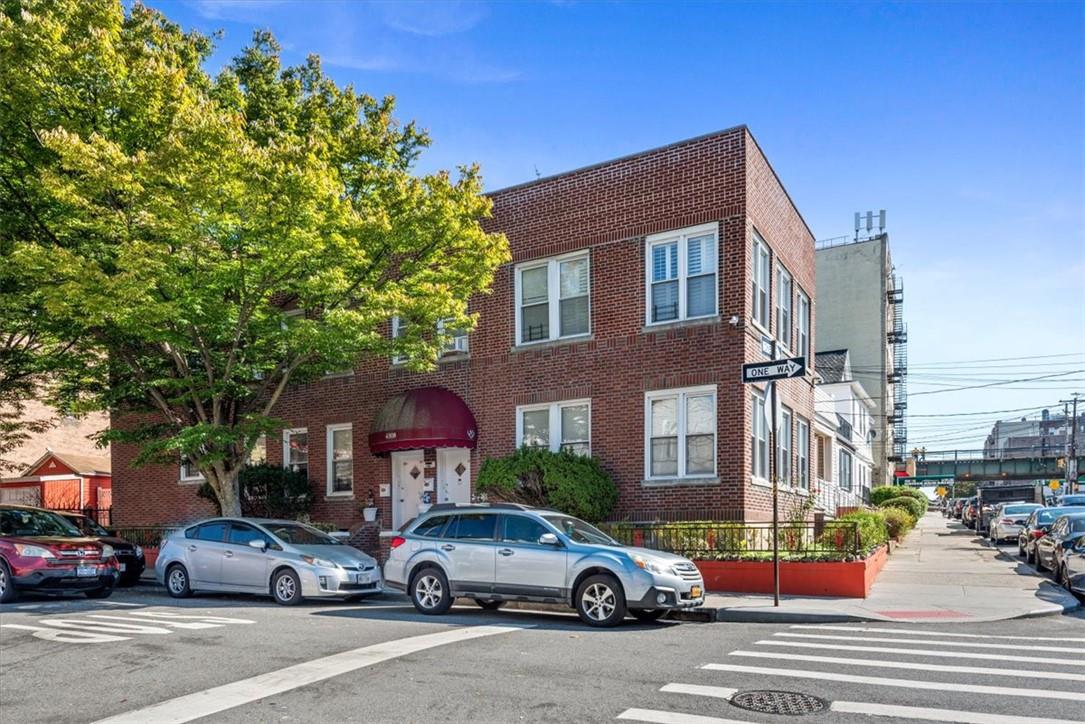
(574, 484)
(212, 240)
(269, 491)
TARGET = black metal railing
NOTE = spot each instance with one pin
(148, 536)
(101, 516)
(833, 540)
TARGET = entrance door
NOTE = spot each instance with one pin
(408, 479)
(454, 475)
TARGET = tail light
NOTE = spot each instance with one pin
(1037, 534)
(1006, 521)
(397, 541)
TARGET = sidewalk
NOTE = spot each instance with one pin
(941, 573)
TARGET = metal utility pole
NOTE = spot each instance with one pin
(1071, 451)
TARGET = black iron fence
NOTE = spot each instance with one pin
(833, 540)
(148, 536)
(101, 516)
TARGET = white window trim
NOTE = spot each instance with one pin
(841, 453)
(187, 479)
(286, 444)
(330, 455)
(680, 393)
(553, 296)
(554, 420)
(455, 347)
(755, 478)
(788, 451)
(755, 320)
(802, 327)
(782, 273)
(802, 452)
(680, 236)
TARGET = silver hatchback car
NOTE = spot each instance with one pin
(283, 558)
(506, 552)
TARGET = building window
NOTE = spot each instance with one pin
(844, 469)
(823, 462)
(682, 272)
(555, 426)
(454, 343)
(783, 448)
(258, 455)
(761, 267)
(759, 437)
(553, 299)
(340, 459)
(804, 328)
(189, 471)
(680, 433)
(802, 453)
(296, 450)
(783, 307)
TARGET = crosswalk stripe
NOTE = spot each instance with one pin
(718, 692)
(901, 683)
(871, 629)
(968, 644)
(674, 717)
(924, 652)
(919, 666)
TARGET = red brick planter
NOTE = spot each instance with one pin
(800, 578)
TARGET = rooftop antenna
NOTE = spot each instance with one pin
(537, 174)
(864, 224)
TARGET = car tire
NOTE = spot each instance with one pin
(177, 581)
(648, 615)
(1064, 578)
(97, 593)
(8, 594)
(1039, 563)
(430, 592)
(600, 601)
(489, 605)
(286, 588)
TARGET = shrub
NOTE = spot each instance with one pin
(574, 484)
(907, 503)
(884, 493)
(269, 491)
(897, 522)
(872, 528)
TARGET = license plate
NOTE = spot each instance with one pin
(120, 567)
(365, 578)
(695, 592)
(86, 571)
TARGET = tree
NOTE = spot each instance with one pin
(214, 240)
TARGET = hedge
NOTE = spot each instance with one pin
(885, 493)
(907, 503)
(574, 484)
(897, 521)
(873, 531)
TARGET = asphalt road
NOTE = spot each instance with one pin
(379, 661)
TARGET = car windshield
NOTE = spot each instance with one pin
(579, 531)
(1018, 509)
(1047, 515)
(20, 522)
(1073, 500)
(87, 525)
(301, 535)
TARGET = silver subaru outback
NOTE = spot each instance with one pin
(506, 552)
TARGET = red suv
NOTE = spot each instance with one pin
(40, 551)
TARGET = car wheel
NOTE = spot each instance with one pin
(1020, 550)
(1064, 578)
(600, 601)
(177, 584)
(1030, 556)
(8, 594)
(648, 615)
(104, 592)
(1039, 562)
(430, 592)
(489, 605)
(286, 588)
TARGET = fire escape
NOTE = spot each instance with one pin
(898, 374)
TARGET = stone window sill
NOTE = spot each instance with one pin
(678, 482)
(680, 324)
(550, 344)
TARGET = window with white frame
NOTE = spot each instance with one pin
(340, 446)
(803, 348)
(759, 436)
(761, 270)
(555, 426)
(296, 450)
(783, 307)
(844, 469)
(680, 433)
(802, 453)
(553, 299)
(189, 471)
(682, 272)
(454, 343)
(783, 448)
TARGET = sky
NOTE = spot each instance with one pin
(965, 121)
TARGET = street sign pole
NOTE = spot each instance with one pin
(775, 497)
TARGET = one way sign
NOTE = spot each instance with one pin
(779, 369)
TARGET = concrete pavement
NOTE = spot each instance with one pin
(941, 572)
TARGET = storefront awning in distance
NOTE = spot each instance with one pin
(425, 417)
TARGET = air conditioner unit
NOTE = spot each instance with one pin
(457, 345)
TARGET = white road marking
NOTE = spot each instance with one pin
(673, 717)
(220, 698)
(968, 644)
(902, 683)
(870, 629)
(924, 666)
(95, 626)
(188, 625)
(118, 603)
(193, 617)
(926, 652)
(66, 636)
(718, 692)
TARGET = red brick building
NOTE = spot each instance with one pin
(637, 289)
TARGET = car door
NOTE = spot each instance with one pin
(524, 566)
(471, 549)
(204, 553)
(1045, 547)
(245, 568)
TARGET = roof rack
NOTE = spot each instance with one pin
(467, 506)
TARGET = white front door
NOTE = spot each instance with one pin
(408, 478)
(454, 475)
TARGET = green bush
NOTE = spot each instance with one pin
(897, 521)
(574, 484)
(269, 491)
(884, 493)
(907, 503)
(873, 531)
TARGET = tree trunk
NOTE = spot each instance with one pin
(224, 483)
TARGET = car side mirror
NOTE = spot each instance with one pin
(549, 539)
(259, 544)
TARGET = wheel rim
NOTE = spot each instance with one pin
(599, 601)
(429, 591)
(177, 581)
(3, 581)
(285, 588)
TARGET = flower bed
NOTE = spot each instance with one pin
(797, 577)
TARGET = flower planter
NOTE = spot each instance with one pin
(799, 578)
(369, 514)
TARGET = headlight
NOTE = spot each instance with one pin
(28, 551)
(139, 551)
(647, 564)
(321, 562)
(107, 550)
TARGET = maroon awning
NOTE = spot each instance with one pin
(426, 417)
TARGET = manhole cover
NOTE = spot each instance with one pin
(788, 703)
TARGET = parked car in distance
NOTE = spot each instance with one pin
(1066, 528)
(506, 552)
(1008, 519)
(1074, 569)
(1074, 499)
(42, 552)
(958, 507)
(130, 560)
(969, 512)
(1035, 528)
(285, 559)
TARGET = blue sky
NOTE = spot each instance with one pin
(966, 121)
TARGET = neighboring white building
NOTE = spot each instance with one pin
(844, 429)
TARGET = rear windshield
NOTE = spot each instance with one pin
(36, 522)
(1049, 514)
(1073, 500)
(1018, 509)
(301, 535)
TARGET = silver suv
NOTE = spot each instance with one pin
(506, 552)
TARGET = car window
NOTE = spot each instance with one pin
(36, 522)
(579, 531)
(431, 527)
(1018, 509)
(302, 535)
(212, 532)
(473, 526)
(520, 529)
(1073, 500)
(1078, 525)
(242, 533)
